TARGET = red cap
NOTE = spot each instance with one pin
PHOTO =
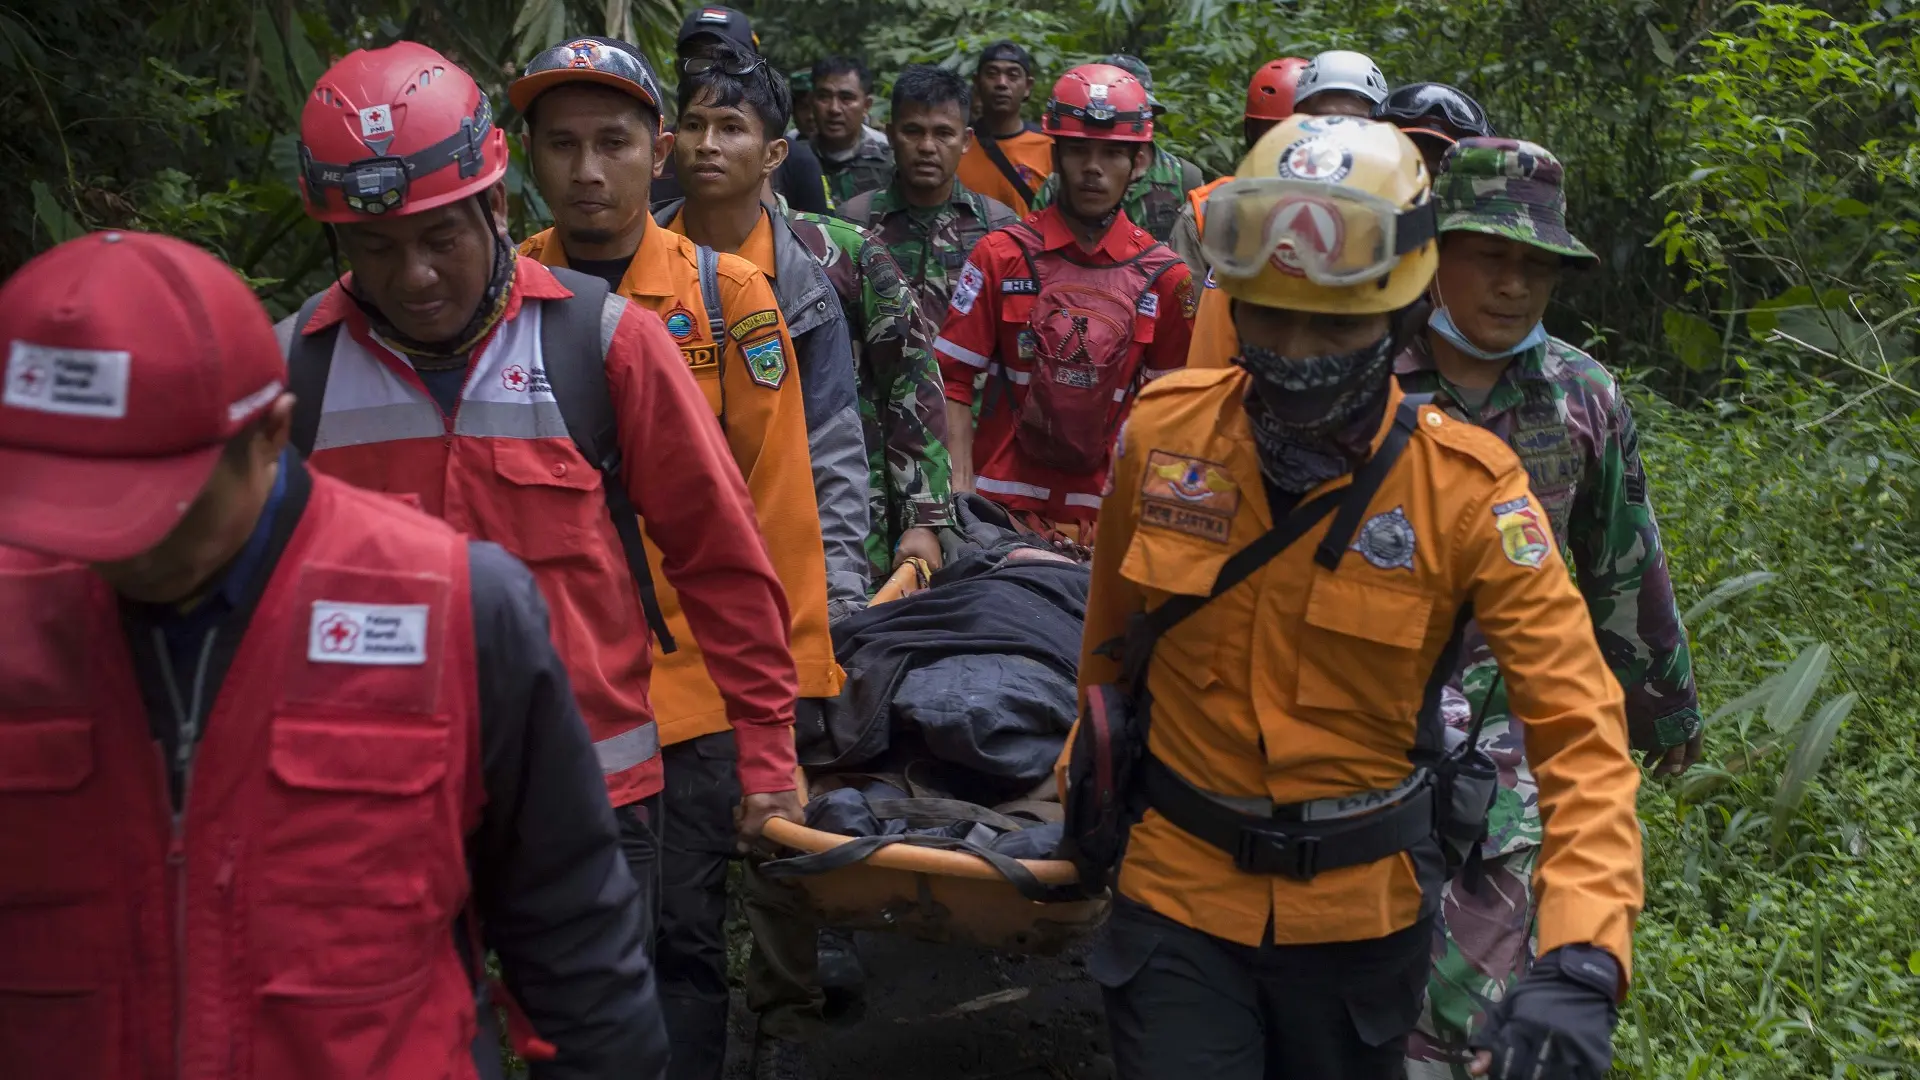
(131, 359)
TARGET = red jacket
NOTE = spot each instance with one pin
(982, 333)
(503, 468)
(297, 918)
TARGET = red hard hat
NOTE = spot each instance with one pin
(1099, 101)
(396, 131)
(1270, 94)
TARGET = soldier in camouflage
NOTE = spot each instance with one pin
(927, 218)
(902, 400)
(1487, 359)
(1154, 201)
(854, 157)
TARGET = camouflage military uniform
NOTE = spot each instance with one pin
(869, 168)
(1152, 202)
(902, 401)
(1562, 413)
(930, 244)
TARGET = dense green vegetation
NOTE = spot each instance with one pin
(1750, 174)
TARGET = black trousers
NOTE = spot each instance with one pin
(1181, 1003)
(690, 949)
(640, 842)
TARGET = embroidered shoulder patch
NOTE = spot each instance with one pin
(1522, 537)
(702, 358)
(1189, 300)
(967, 289)
(1387, 540)
(383, 635)
(1189, 495)
(759, 320)
(680, 323)
(767, 362)
(1150, 304)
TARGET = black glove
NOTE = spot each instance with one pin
(1557, 1021)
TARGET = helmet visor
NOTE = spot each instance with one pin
(1434, 103)
(1331, 235)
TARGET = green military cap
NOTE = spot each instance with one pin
(1137, 68)
(1507, 187)
(801, 82)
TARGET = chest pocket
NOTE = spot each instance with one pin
(1360, 648)
(552, 502)
(1167, 564)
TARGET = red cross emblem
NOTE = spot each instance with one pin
(29, 378)
(1306, 225)
(515, 378)
(376, 116)
(338, 633)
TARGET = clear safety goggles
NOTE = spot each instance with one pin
(1330, 235)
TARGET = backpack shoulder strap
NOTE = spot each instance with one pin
(991, 147)
(575, 334)
(1367, 481)
(309, 361)
(709, 264)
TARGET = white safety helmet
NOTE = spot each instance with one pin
(1342, 69)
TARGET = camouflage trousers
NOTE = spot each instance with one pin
(1482, 942)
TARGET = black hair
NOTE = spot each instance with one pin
(929, 85)
(762, 89)
(647, 113)
(828, 67)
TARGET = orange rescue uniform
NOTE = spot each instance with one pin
(1303, 683)
(766, 430)
(1215, 341)
(1031, 154)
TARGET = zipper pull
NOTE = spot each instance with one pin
(177, 848)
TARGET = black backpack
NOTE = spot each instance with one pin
(574, 334)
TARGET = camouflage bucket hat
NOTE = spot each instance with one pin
(1510, 188)
(1137, 68)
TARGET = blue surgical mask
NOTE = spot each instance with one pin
(1441, 322)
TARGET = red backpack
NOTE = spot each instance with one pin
(1082, 328)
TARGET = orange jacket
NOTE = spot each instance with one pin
(1305, 684)
(1215, 341)
(766, 429)
(1030, 153)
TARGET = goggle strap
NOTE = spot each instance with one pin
(1413, 228)
(1135, 117)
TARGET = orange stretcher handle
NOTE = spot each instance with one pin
(919, 860)
(908, 578)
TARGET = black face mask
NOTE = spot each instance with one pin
(1314, 418)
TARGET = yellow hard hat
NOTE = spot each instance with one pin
(1327, 214)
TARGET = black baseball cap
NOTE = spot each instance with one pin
(721, 22)
(1006, 50)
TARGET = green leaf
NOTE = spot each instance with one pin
(1762, 693)
(1727, 590)
(1913, 961)
(1851, 208)
(1798, 684)
(275, 62)
(1807, 758)
(60, 225)
(1661, 50)
(1692, 338)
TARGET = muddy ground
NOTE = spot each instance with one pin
(945, 1012)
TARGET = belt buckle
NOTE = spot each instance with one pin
(1259, 851)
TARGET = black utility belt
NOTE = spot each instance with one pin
(1296, 849)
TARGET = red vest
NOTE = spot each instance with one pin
(296, 921)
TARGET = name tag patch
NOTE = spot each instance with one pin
(385, 635)
(1020, 286)
(1150, 305)
(1189, 495)
(68, 382)
(701, 357)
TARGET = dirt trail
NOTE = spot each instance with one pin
(941, 1012)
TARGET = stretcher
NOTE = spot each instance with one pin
(931, 888)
